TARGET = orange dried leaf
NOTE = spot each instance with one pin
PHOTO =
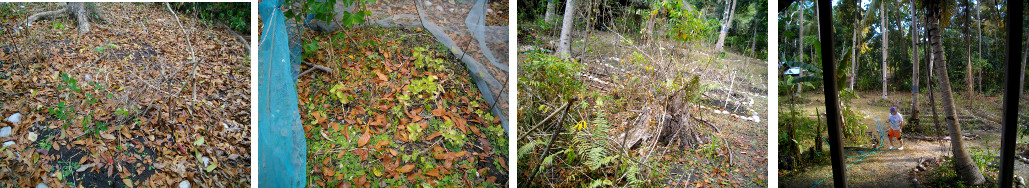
(438, 112)
(364, 139)
(406, 168)
(381, 76)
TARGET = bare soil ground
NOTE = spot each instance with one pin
(892, 168)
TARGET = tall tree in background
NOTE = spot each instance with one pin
(800, 54)
(968, 51)
(564, 45)
(82, 12)
(979, 20)
(886, 44)
(753, 37)
(726, 24)
(853, 50)
(549, 15)
(651, 19)
(966, 169)
(914, 62)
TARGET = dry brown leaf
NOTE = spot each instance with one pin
(438, 112)
(381, 76)
(406, 168)
(433, 173)
(107, 136)
(364, 139)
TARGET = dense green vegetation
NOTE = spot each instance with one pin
(233, 15)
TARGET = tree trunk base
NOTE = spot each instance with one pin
(84, 13)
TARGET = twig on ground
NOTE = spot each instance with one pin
(545, 120)
(313, 67)
(552, 138)
(191, 52)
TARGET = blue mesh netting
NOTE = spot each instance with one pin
(282, 148)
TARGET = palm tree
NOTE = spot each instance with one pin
(914, 63)
(968, 51)
(853, 49)
(886, 44)
(966, 168)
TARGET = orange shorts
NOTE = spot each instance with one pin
(893, 133)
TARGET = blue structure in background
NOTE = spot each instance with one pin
(283, 149)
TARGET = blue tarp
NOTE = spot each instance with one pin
(281, 144)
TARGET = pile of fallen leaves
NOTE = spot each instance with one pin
(145, 100)
(451, 18)
(397, 110)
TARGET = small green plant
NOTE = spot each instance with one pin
(415, 130)
(103, 49)
(121, 112)
(310, 48)
(62, 112)
(452, 135)
(426, 85)
(69, 83)
(67, 169)
(338, 93)
(423, 59)
(688, 24)
(45, 145)
(404, 99)
(56, 25)
(551, 77)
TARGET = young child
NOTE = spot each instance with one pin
(896, 123)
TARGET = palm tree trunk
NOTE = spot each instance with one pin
(969, 80)
(966, 168)
(800, 54)
(914, 70)
(886, 44)
(979, 19)
(853, 54)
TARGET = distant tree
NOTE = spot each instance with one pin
(564, 46)
(885, 36)
(549, 15)
(726, 24)
(968, 50)
(914, 62)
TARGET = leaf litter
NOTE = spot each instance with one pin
(367, 121)
(124, 105)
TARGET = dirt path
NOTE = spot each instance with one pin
(886, 168)
(892, 168)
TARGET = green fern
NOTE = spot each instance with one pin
(601, 183)
(526, 148)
